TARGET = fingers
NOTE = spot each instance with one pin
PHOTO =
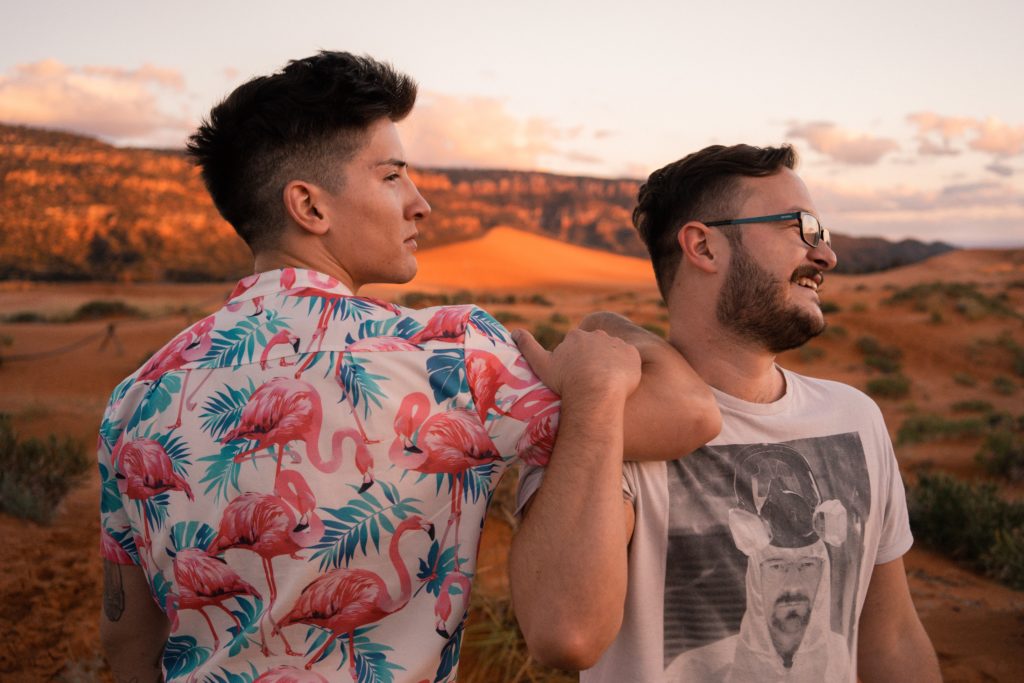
(536, 355)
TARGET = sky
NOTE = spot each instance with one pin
(908, 116)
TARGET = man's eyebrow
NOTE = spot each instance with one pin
(392, 162)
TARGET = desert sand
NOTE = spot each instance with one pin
(50, 578)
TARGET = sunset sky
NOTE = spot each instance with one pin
(909, 116)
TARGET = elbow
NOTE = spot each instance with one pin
(568, 649)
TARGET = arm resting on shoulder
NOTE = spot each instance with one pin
(672, 412)
(892, 643)
(133, 629)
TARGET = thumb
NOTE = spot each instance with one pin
(536, 355)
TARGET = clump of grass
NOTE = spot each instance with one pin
(425, 299)
(22, 317)
(830, 307)
(548, 336)
(919, 428)
(1004, 385)
(101, 309)
(963, 297)
(35, 474)
(879, 356)
(964, 379)
(508, 317)
(559, 319)
(859, 307)
(539, 300)
(1002, 453)
(971, 523)
(972, 406)
(835, 331)
(892, 386)
(936, 318)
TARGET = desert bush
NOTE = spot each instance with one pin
(100, 309)
(425, 299)
(35, 474)
(878, 356)
(964, 297)
(1002, 453)
(964, 379)
(935, 318)
(549, 337)
(830, 307)
(972, 406)
(559, 319)
(895, 385)
(539, 300)
(918, 428)
(810, 353)
(1004, 561)
(836, 331)
(1004, 385)
(20, 317)
(508, 317)
(859, 307)
(1016, 352)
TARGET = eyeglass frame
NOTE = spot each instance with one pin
(822, 233)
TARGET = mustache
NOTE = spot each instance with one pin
(808, 271)
(791, 597)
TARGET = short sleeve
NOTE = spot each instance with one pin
(518, 410)
(896, 538)
(117, 542)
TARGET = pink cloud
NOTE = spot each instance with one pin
(447, 130)
(990, 135)
(998, 138)
(843, 145)
(110, 102)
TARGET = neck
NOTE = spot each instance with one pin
(310, 258)
(732, 366)
(404, 582)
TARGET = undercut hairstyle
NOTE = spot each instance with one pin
(300, 123)
(703, 186)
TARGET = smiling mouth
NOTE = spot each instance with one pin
(807, 282)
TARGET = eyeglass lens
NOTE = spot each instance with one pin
(812, 231)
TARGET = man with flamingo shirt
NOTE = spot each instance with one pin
(294, 487)
(774, 552)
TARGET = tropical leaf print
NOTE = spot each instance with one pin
(222, 473)
(110, 496)
(248, 614)
(371, 662)
(403, 327)
(238, 345)
(155, 509)
(360, 384)
(356, 523)
(486, 323)
(477, 481)
(341, 307)
(447, 371)
(183, 655)
(156, 400)
(160, 589)
(226, 676)
(223, 410)
(450, 655)
(434, 571)
(110, 430)
(126, 540)
(176, 448)
(191, 534)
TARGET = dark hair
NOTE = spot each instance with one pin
(701, 186)
(294, 124)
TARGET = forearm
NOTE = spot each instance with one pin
(568, 558)
(133, 629)
(672, 412)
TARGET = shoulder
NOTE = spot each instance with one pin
(826, 389)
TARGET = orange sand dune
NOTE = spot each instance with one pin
(508, 258)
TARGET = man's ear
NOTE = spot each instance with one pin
(303, 201)
(700, 246)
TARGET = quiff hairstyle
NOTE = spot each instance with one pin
(703, 186)
(300, 123)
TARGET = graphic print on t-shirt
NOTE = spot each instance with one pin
(765, 543)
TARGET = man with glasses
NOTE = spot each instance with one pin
(774, 553)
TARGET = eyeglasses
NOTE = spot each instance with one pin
(811, 231)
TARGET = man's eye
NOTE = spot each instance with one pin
(392, 176)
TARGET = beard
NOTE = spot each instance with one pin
(752, 305)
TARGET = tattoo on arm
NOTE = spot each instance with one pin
(113, 591)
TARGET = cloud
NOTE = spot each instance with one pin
(1000, 169)
(842, 145)
(937, 134)
(121, 105)
(479, 132)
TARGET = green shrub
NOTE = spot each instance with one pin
(884, 358)
(425, 299)
(559, 319)
(936, 318)
(963, 296)
(1004, 385)
(549, 337)
(539, 300)
(35, 474)
(100, 309)
(972, 406)
(829, 307)
(918, 428)
(25, 317)
(889, 386)
(964, 379)
(836, 331)
(1002, 453)
(1004, 561)
(508, 317)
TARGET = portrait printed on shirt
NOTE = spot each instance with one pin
(765, 543)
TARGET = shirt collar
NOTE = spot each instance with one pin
(287, 281)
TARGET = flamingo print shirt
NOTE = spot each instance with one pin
(303, 477)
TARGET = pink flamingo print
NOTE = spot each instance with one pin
(271, 525)
(343, 600)
(284, 410)
(486, 375)
(143, 469)
(189, 346)
(244, 285)
(289, 674)
(281, 338)
(449, 442)
(448, 324)
(111, 550)
(203, 581)
(443, 606)
(287, 278)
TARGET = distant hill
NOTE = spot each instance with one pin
(75, 208)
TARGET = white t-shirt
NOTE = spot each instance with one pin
(751, 557)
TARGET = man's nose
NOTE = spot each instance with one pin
(823, 256)
(418, 209)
